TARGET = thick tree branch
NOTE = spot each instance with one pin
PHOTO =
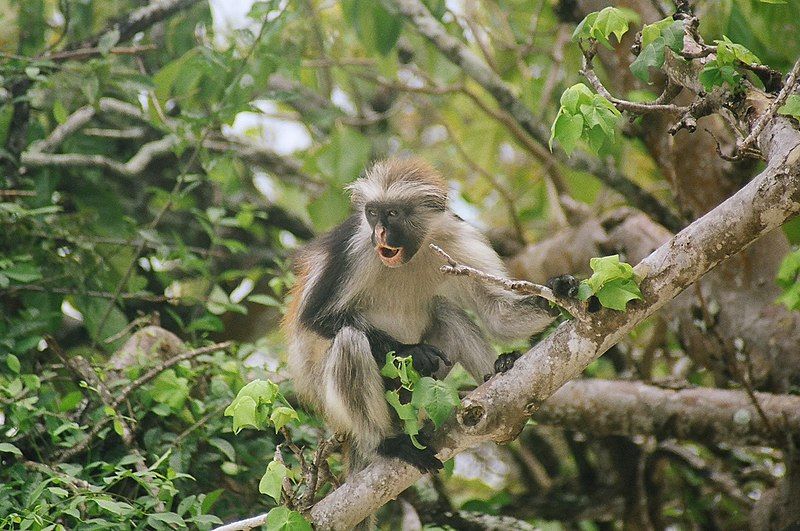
(498, 409)
(707, 415)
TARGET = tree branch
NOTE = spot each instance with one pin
(498, 409)
(707, 415)
(460, 55)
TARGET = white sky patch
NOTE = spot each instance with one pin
(482, 463)
(282, 135)
(342, 100)
(266, 186)
(228, 16)
(434, 134)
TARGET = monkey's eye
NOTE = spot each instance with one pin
(371, 212)
(392, 213)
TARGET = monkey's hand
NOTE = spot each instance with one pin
(505, 361)
(425, 357)
(401, 447)
(563, 286)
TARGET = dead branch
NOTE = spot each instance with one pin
(520, 286)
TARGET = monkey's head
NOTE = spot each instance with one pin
(399, 199)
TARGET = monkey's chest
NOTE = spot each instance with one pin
(404, 322)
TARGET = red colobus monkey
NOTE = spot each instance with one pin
(372, 285)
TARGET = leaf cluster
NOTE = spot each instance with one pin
(586, 116)
(612, 282)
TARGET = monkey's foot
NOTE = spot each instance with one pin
(425, 357)
(504, 362)
(401, 447)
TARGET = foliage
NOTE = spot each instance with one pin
(788, 279)
(266, 117)
(584, 115)
(612, 282)
(417, 394)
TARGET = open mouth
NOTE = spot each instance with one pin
(390, 256)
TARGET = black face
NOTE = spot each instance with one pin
(397, 232)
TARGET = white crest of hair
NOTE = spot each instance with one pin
(397, 180)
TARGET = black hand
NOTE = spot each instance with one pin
(504, 362)
(424, 357)
(401, 447)
(564, 286)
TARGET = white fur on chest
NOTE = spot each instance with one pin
(400, 301)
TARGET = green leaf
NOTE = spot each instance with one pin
(329, 208)
(9, 448)
(265, 300)
(584, 28)
(284, 519)
(389, 369)
(375, 26)
(13, 363)
(272, 480)
(282, 415)
(170, 389)
(714, 75)
(407, 413)
(613, 282)
(567, 129)
(788, 278)
(438, 398)
(673, 35)
(168, 518)
(108, 41)
(729, 52)
(791, 107)
(651, 56)
(575, 96)
(114, 507)
(616, 293)
(251, 407)
(59, 112)
(223, 446)
(70, 401)
(243, 411)
(22, 272)
(610, 20)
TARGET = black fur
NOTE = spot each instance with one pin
(316, 314)
(505, 361)
(401, 447)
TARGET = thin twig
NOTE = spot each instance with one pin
(519, 286)
(791, 83)
(125, 392)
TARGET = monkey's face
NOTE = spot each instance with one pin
(397, 231)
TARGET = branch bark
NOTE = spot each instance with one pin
(612, 407)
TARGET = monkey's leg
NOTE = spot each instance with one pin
(355, 403)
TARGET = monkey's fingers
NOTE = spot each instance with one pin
(506, 361)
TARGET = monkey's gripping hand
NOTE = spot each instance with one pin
(425, 357)
(563, 286)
